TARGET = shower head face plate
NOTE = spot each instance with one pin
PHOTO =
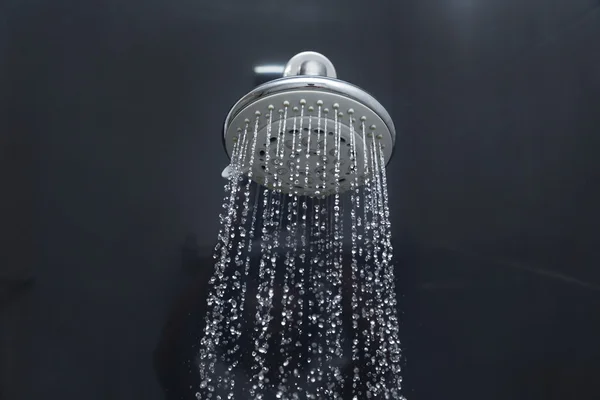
(285, 113)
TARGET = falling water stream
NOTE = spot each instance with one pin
(276, 328)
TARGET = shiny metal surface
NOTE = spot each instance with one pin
(310, 63)
(335, 86)
(353, 108)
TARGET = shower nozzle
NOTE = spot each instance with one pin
(288, 254)
(308, 133)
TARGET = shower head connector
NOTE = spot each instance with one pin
(310, 132)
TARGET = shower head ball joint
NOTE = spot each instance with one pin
(312, 130)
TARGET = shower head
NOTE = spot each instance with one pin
(308, 133)
(304, 138)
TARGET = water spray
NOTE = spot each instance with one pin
(316, 148)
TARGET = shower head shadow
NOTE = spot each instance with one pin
(308, 133)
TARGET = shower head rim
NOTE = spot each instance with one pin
(303, 82)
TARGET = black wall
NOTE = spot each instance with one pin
(110, 154)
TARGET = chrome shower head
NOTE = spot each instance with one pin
(312, 130)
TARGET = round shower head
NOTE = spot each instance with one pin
(314, 133)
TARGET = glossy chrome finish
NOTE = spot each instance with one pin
(310, 63)
(310, 94)
(317, 83)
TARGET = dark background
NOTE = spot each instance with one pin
(110, 154)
